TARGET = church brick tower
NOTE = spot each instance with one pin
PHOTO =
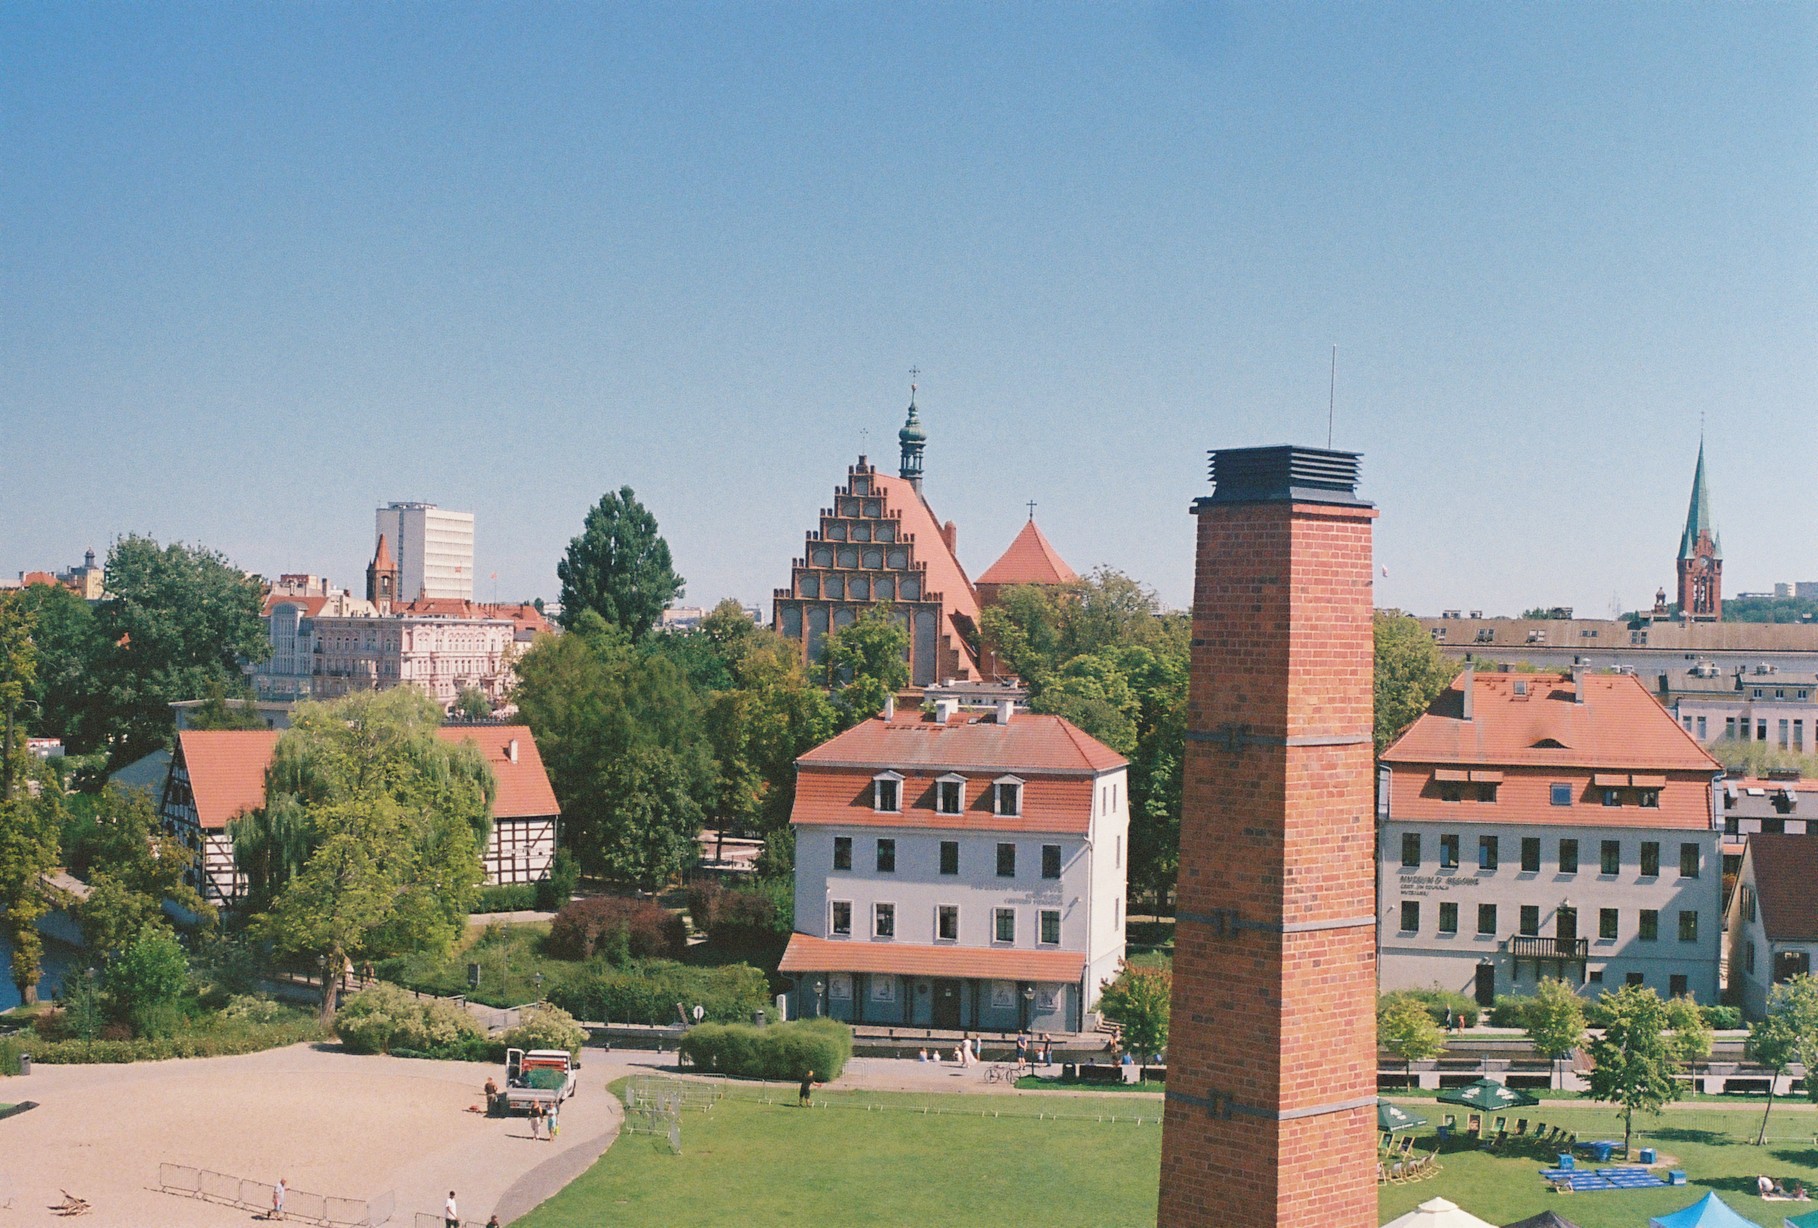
(382, 578)
(1270, 1118)
(1700, 557)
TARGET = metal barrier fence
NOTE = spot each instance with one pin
(426, 1219)
(224, 1188)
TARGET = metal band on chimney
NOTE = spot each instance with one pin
(1220, 1105)
(1227, 922)
(1235, 736)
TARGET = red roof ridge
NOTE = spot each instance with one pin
(1029, 559)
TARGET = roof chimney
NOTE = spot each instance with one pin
(945, 709)
(511, 750)
(889, 712)
(1578, 684)
(950, 534)
(1470, 689)
(1005, 708)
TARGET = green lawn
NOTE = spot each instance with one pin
(877, 1159)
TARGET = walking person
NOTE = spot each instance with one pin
(806, 1095)
(536, 1119)
(554, 1122)
(451, 1214)
(277, 1199)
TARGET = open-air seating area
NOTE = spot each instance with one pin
(1397, 1162)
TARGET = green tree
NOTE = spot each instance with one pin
(865, 663)
(218, 710)
(1092, 692)
(1555, 1019)
(176, 619)
(1635, 1058)
(471, 704)
(619, 567)
(652, 820)
(66, 648)
(133, 867)
(1410, 674)
(1405, 1028)
(1691, 1036)
(1789, 1034)
(1139, 1001)
(29, 822)
(390, 818)
(144, 983)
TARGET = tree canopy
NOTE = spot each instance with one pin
(1139, 1002)
(1405, 1027)
(865, 663)
(619, 567)
(29, 821)
(1635, 1058)
(1788, 1034)
(1410, 674)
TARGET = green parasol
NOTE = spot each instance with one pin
(1488, 1097)
(1393, 1117)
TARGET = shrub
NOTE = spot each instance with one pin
(217, 1038)
(782, 1051)
(564, 876)
(144, 982)
(650, 992)
(1510, 1012)
(618, 928)
(1722, 1018)
(253, 1008)
(545, 1027)
(1437, 1002)
(510, 897)
(756, 913)
(1138, 1001)
(384, 1018)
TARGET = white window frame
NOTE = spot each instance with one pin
(1040, 924)
(997, 914)
(877, 915)
(951, 778)
(997, 797)
(877, 799)
(938, 909)
(833, 932)
(839, 987)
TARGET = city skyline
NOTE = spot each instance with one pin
(272, 269)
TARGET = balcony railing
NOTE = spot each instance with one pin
(1550, 948)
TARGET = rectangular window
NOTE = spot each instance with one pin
(1650, 859)
(1488, 852)
(883, 920)
(1051, 861)
(1761, 730)
(1701, 728)
(842, 852)
(1688, 926)
(1688, 861)
(949, 856)
(946, 923)
(1748, 957)
(949, 796)
(1729, 727)
(1560, 795)
(1530, 920)
(1676, 985)
(1748, 903)
(1410, 916)
(1009, 799)
(1486, 918)
(1448, 851)
(842, 918)
(1568, 856)
(1648, 925)
(1648, 799)
(1612, 857)
(888, 795)
(1612, 797)
(1635, 979)
(1798, 735)
(1051, 926)
(1003, 922)
(1410, 849)
(1448, 918)
(1530, 854)
(1783, 727)
(1606, 923)
(886, 855)
(1006, 861)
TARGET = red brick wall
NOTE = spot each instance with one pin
(1277, 1022)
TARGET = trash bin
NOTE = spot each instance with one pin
(25, 1063)
(1676, 1177)
(757, 1018)
(1647, 1155)
(1566, 1160)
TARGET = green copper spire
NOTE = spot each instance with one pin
(1698, 515)
(913, 439)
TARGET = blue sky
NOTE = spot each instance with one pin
(267, 266)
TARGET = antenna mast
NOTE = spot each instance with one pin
(1332, 398)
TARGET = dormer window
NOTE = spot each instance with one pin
(887, 793)
(1009, 796)
(950, 795)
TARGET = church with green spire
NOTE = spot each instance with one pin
(1700, 557)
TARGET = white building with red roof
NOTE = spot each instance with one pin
(218, 775)
(1773, 918)
(958, 871)
(1560, 825)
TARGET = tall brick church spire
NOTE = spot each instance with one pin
(1700, 560)
(1270, 1114)
(382, 578)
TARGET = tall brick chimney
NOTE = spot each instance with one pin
(1271, 1104)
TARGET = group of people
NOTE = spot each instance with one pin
(1767, 1187)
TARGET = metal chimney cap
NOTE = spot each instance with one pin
(1284, 474)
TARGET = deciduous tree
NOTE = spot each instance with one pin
(865, 663)
(1139, 1001)
(619, 567)
(1789, 1034)
(1555, 1019)
(1410, 674)
(29, 823)
(1635, 1058)
(1405, 1028)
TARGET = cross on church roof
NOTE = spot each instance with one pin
(1032, 509)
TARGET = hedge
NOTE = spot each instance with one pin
(649, 992)
(222, 1040)
(386, 1019)
(1438, 1002)
(617, 928)
(512, 897)
(783, 1051)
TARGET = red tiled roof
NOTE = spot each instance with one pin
(522, 614)
(843, 797)
(1031, 559)
(1785, 868)
(312, 606)
(227, 770)
(1619, 725)
(29, 578)
(1029, 743)
(943, 574)
(381, 558)
(809, 954)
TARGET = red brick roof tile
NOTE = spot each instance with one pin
(1029, 743)
(1031, 559)
(810, 954)
(1785, 868)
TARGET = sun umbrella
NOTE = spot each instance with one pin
(1438, 1213)
(1488, 1097)
(1708, 1212)
(1393, 1117)
(1546, 1219)
(1808, 1220)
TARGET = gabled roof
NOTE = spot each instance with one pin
(1698, 515)
(1785, 868)
(381, 557)
(1031, 559)
(1030, 743)
(311, 606)
(227, 770)
(1534, 720)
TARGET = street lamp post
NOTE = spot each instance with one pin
(820, 998)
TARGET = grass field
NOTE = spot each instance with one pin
(926, 1160)
(877, 1159)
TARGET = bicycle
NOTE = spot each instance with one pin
(1008, 1072)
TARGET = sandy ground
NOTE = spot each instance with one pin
(328, 1122)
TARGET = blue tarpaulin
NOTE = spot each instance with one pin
(1708, 1212)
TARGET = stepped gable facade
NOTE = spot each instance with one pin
(881, 544)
